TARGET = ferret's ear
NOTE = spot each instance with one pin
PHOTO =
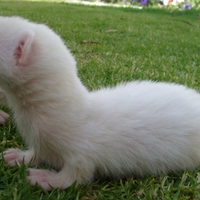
(24, 48)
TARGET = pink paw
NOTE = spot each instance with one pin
(13, 156)
(3, 117)
(45, 178)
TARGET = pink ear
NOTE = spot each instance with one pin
(24, 48)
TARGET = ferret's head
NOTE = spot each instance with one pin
(28, 50)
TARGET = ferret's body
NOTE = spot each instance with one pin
(134, 129)
(147, 128)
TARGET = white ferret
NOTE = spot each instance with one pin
(138, 128)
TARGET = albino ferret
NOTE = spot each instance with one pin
(134, 129)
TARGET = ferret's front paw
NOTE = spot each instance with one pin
(3, 117)
(45, 178)
(13, 156)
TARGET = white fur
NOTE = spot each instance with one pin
(137, 128)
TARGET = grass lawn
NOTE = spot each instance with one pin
(113, 45)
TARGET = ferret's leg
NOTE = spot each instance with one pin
(13, 156)
(63, 179)
(3, 99)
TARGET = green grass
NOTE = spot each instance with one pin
(113, 45)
